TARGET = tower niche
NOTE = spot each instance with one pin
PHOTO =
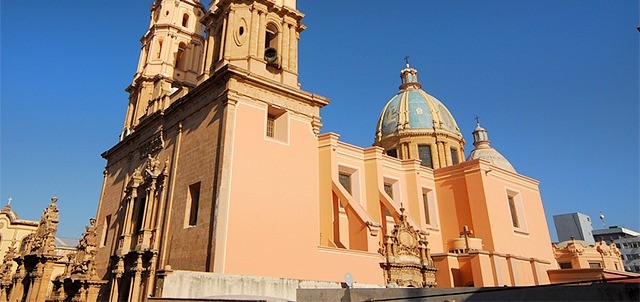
(259, 36)
(170, 59)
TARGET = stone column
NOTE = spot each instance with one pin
(254, 33)
(261, 33)
(284, 45)
(43, 279)
(115, 280)
(136, 281)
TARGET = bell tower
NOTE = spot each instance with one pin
(259, 36)
(170, 59)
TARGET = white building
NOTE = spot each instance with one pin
(628, 241)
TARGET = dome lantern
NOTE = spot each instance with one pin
(409, 77)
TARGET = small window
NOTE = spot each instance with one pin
(159, 52)
(565, 265)
(424, 152)
(277, 124)
(388, 188)
(271, 36)
(140, 217)
(425, 201)
(194, 203)
(345, 181)
(454, 156)
(271, 125)
(514, 212)
(392, 153)
(185, 20)
(105, 230)
(595, 264)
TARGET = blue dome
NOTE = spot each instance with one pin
(412, 108)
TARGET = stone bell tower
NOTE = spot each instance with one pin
(258, 36)
(170, 58)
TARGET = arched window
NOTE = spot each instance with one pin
(185, 20)
(271, 36)
(271, 44)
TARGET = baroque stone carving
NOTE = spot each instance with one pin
(408, 261)
(152, 146)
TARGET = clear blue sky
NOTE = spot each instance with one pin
(554, 82)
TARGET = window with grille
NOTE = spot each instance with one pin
(271, 125)
(454, 156)
(424, 152)
(277, 124)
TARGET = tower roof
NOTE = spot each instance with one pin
(484, 150)
(413, 108)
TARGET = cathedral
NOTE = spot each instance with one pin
(222, 177)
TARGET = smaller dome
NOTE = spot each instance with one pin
(484, 150)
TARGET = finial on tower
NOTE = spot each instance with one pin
(477, 120)
(406, 60)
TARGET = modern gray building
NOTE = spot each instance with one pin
(628, 241)
(576, 225)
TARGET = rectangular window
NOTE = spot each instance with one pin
(424, 152)
(142, 200)
(271, 125)
(514, 212)
(565, 265)
(595, 264)
(425, 201)
(430, 208)
(392, 153)
(105, 230)
(194, 202)
(388, 188)
(345, 181)
(454, 156)
(277, 124)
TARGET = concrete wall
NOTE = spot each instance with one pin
(197, 285)
(594, 292)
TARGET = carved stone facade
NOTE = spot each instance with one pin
(36, 261)
(80, 282)
(407, 258)
(578, 254)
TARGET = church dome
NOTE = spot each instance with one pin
(416, 125)
(484, 150)
(414, 109)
